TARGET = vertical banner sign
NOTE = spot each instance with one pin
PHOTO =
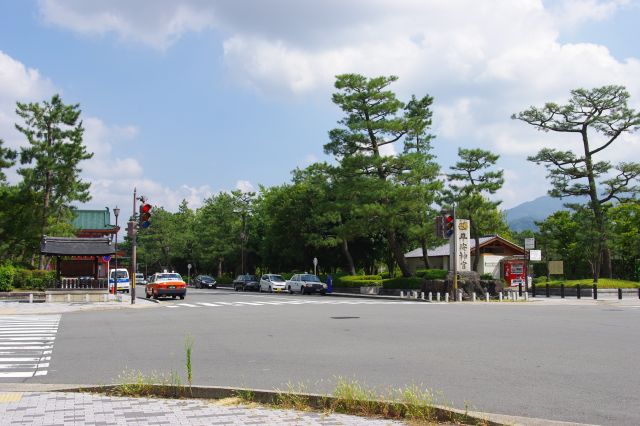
(462, 243)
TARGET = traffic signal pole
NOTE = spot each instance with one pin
(455, 256)
(134, 268)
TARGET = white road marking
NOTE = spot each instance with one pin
(207, 304)
(187, 305)
(26, 345)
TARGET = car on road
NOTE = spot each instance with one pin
(122, 276)
(246, 282)
(272, 282)
(140, 278)
(202, 281)
(306, 283)
(166, 284)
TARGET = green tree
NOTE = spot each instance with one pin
(469, 181)
(598, 117)
(7, 159)
(375, 118)
(52, 159)
(623, 221)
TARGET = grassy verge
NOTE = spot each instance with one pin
(602, 283)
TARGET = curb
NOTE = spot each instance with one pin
(446, 414)
(263, 396)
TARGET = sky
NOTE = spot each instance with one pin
(184, 99)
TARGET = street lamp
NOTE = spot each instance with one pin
(116, 212)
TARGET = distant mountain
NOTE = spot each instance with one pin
(524, 216)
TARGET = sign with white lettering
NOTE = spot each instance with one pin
(535, 255)
(529, 243)
(461, 245)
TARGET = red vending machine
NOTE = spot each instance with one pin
(514, 272)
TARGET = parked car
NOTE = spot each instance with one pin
(122, 277)
(201, 281)
(166, 284)
(140, 279)
(272, 282)
(306, 283)
(246, 282)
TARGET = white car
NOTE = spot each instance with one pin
(306, 283)
(122, 277)
(272, 282)
(140, 279)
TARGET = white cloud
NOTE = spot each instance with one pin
(245, 186)
(483, 61)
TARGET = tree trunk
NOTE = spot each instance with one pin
(476, 238)
(595, 207)
(607, 270)
(425, 254)
(45, 208)
(398, 254)
(347, 254)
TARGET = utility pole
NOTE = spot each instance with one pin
(134, 267)
(455, 254)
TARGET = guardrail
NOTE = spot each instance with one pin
(81, 283)
(580, 291)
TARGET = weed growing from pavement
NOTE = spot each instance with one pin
(188, 348)
(136, 383)
(293, 398)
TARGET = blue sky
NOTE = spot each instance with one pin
(185, 99)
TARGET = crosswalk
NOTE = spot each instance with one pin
(282, 302)
(26, 345)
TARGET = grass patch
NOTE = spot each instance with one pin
(588, 282)
(135, 383)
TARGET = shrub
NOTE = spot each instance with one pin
(432, 274)
(7, 274)
(401, 283)
(33, 279)
(486, 277)
(357, 281)
(224, 279)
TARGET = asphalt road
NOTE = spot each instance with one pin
(571, 363)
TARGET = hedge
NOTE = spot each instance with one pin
(432, 274)
(7, 276)
(24, 279)
(401, 283)
(357, 281)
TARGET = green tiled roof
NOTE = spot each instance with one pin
(92, 219)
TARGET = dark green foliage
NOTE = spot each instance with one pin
(7, 276)
(357, 281)
(486, 277)
(401, 283)
(33, 279)
(432, 274)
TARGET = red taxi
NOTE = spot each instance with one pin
(166, 284)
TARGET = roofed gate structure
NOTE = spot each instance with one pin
(77, 277)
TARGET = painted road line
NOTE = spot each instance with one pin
(188, 305)
(26, 345)
(207, 304)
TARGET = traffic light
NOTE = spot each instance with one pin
(145, 215)
(449, 223)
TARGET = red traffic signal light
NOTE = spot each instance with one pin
(145, 215)
(449, 221)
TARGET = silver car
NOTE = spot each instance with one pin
(306, 283)
(272, 282)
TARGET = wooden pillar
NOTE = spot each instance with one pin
(95, 267)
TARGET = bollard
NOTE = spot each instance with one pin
(547, 290)
(422, 295)
(500, 296)
(595, 292)
(49, 297)
(473, 296)
(533, 290)
(562, 290)
(520, 289)
(30, 297)
(446, 297)
(401, 294)
(487, 296)
(579, 290)
(430, 297)
(620, 293)
(526, 296)
(437, 296)
(460, 296)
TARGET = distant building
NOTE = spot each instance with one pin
(493, 250)
(93, 223)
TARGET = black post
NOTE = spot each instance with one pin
(547, 289)
(520, 289)
(579, 289)
(620, 293)
(595, 292)
(533, 289)
(562, 290)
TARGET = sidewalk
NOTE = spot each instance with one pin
(62, 408)
(124, 302)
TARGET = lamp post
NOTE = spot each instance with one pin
(116, 212)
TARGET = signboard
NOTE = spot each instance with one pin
(106, 258)
(461, 243)
(529, 243)
(535, 255)
(556, 267)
